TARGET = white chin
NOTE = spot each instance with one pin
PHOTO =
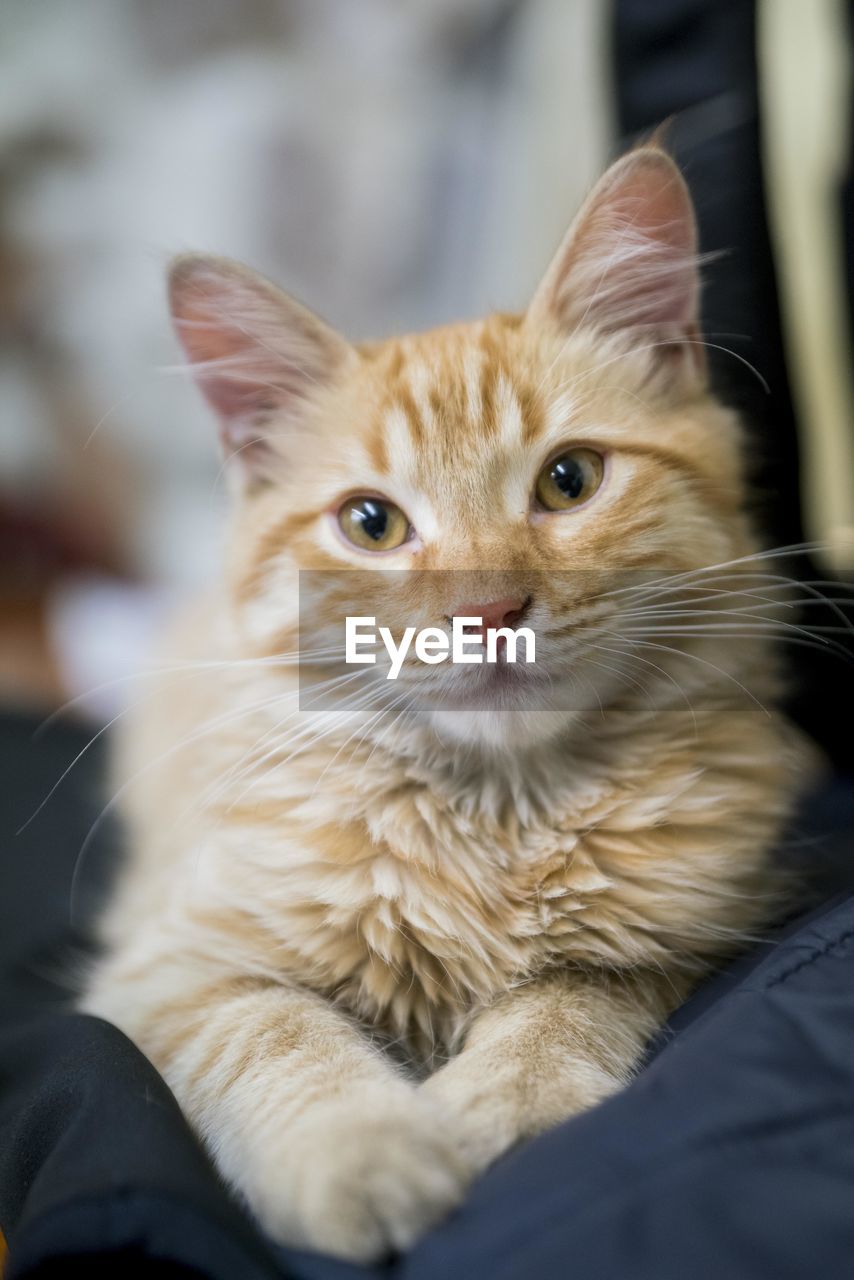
(505, 730)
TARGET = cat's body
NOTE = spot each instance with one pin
(505, 902)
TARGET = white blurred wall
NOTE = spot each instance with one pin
(395, 163)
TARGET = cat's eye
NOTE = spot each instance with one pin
(373, 524)
(570, 479)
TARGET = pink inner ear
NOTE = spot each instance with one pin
(232, 400)
(236, 373)
(653, 217)
(255, 352)
(233, 383)
(631, 259)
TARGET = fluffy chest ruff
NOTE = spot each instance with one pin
(413, 896)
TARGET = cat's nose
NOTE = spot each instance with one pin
(508, 612)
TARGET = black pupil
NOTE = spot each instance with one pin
(568, 475)
(373, 518)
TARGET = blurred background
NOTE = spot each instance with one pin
(396, 164)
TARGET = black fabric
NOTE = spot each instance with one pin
(693, 63)
(94, 1153)
(731, 1155)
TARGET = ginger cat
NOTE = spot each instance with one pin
(373, 943)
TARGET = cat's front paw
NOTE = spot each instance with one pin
(495, 1101)
(363, 1177)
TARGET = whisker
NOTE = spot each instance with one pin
(293, 658)
(648, 662)
(671, 578)
(686, 653)
(196, 735)
(237, 771)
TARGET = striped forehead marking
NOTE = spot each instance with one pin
(473, 362)
(400, 439)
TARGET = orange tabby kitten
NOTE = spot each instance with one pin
(370, 950)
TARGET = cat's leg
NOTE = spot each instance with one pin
(328, 1144)
(546, 1051)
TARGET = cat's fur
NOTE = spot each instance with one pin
(369, 955)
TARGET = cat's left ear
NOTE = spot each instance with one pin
(258, 356)
(628, 264)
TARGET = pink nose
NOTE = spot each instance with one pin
(508, 612)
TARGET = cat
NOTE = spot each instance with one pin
(370, 950)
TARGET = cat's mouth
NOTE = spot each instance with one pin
(501, 685)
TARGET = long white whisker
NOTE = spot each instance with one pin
(648, 662)
(686, 653)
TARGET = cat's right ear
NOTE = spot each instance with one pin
(257, 355)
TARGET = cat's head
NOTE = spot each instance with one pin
(523, 463)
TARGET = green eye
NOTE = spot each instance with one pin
(372, 524)
(569, 480)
